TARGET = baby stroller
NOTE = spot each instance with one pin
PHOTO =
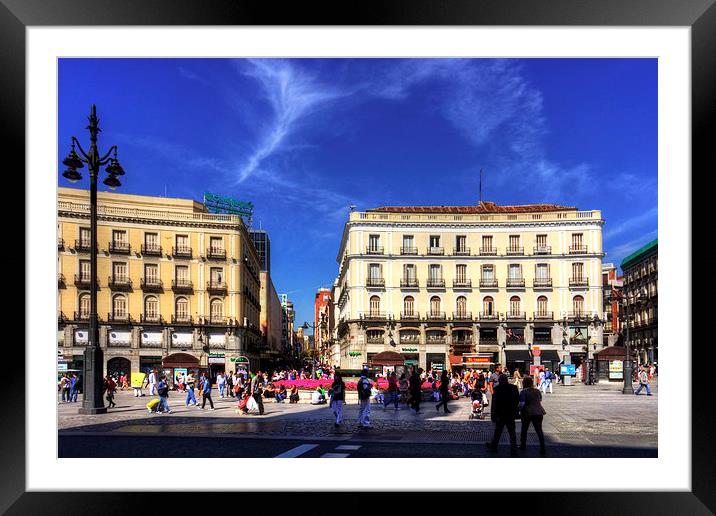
(477, 405)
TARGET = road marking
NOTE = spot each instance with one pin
(295, 452)
(348, 447)
(334, 455)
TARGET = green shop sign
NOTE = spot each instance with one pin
(408, 350)
(239, 360)
(354, 353)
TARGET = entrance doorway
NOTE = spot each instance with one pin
(118, 366)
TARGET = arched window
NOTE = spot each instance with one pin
(461, 306)
(578, 305)
(409, 306)
(217, 310)
(119, 307)
(435, 306)
(84, 303)
(542, 306)
(375, 306)
(488, 306)
(182, 309)
(515, 305)
(151, 308)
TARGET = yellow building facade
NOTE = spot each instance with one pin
(469, 286)
(178, 287)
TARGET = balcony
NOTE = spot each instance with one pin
(182, 252)
(515, 251)
(182, 319)
(580, 316)
(217, 320)
(515, 315)
(151, 319)
(409, 283)
(213, 253)
(119, 282)
(410, 316)
(542, 249)
(120, 318)
(409, 250)
(82, 281)
(488, 283)
(543, 315)
(182, 285)
(436, 316)
(374, 249)
(461, 251)
(578, 282)
(462, 346)
(60, 280)
(462, 283)
(436, 340)
(375, 340)
(578, 249)
(436, 283)
(436, 251)
(119, 247)
(151, 250)
(515, 283)
(83, 246)
(151, 284)
(462, 316)
(489, 316)
(60, 243)
(81, 316)
(375, 282)
(216, 287)
(542, 283)
(374, 316)
(488, 251)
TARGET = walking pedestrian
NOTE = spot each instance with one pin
(505, 400)
(163, 391)
(403, 388)
(416, 391)
(230, 384)
(546, 381)
(190, 384)
(109, 387)
(220, 383)
(393, 391)
(363, 387)
(205, 391)
(518, 378)
(76, 388)
(65, 388)
(444, 392)
(643, 378)
(531, 412)
(152, 382)
(338, 396)
(257, 391)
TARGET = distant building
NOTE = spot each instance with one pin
(612, 285)
(271, 318)
(641, 290)
(263, 248)
(323, 315)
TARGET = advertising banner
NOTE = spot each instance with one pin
(535, 370)
(185, 339)
(138, 379)
(120, 337)
(81, 336)
(515, 335)
(567, 370)
(217, 339)
(154, 337)
(577, 334)
(616, 370)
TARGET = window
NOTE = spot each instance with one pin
(515, 272)
(514, 242)
(542, 271)
(119, 307)
(514, 305)
(576, 240)
(182, 273)
(487, 243)
(151, 240)
(461, 306)
(409, 306)
(84, 270)
(488, 306)
(374, 306)
(183, 243)
(488, 272)
(84, 306)
(217, 310)
(151, 273)
(151, 308)
(434, 241)
(461, 273)
(434, 305)
(542, 305)
(216, 244)
(119, 271)
(578, 271)
(374, 243)
(119, 237)
(435, 273)
(408, 243)
(216, 275)
(375, 336)
(182, 308)
(541, 242)
(374, 272)
(578, 305)
(85, 237)
(461, 243)
(409, 272)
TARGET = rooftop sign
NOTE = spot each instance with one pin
(215, 203)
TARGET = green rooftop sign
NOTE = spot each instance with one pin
(215, 203)
(635, 255)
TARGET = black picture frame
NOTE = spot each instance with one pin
(700, 15)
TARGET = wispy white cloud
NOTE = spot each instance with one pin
(625, 249)
(649, 216)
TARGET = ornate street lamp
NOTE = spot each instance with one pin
(92, 402)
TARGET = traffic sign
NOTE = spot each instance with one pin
(536, 351)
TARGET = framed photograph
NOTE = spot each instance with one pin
(434, 183)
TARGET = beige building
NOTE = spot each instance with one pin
(460, 286)
(271, 316)
(178, 287)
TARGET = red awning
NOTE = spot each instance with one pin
(180, 360)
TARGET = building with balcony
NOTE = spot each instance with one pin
(455, 280)
(641, 292)
(176, 284)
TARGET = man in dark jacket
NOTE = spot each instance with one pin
(257, 391)
(416, 391)
(505, 401)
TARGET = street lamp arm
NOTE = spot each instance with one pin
(104, 159)
(82, 151)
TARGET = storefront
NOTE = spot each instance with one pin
(387, 362)
(435, 361)
(217, 363)
(549, 358)
(410, 356)
(179, 363)
(482, 361)
(147, 364)
(518, 359)
(610, 363)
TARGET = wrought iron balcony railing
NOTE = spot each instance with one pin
(542, 249)
(462, 283)
(151, 318)
(374, 315)
(543, 315)
(461, 251)
(436, 283)
(60, 279)
(182, 285)
(83, 281)
(515, 251)
(515, 315)
(515, 282)
(436, 251)
(374, 249)
(410, 315)
(488, 251)
(462, 316)
(542, 282)
(488, 283)
(409, 250)
(436, 316)
(409, 283)
(182, 252)
(83, 246)
(182, 319)
(81, 316)
(119, 317)
(151, 249)
(489, 316)
(60, 243)
(119, 282)
(151, 284)
(119, 247)
(578, 282)
(375, 282)
(578, 249)
(216, 286)
(214, 253)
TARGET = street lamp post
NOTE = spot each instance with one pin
(92, 402)
(628, 387)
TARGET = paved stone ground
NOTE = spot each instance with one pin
(598, 415)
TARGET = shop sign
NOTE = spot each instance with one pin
(437, 366)
(411, 362)
(466, 359)
(616, 370)
(408, 350)
(239, 360)
(81, 337)
(62, 366)
(354, 353)
(567, 370)
(185, 339)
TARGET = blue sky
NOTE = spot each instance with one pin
(305, 138)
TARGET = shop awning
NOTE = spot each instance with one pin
(180, 360)
(549, 355)
(388, 358)
(518, 355)
(611, 353)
